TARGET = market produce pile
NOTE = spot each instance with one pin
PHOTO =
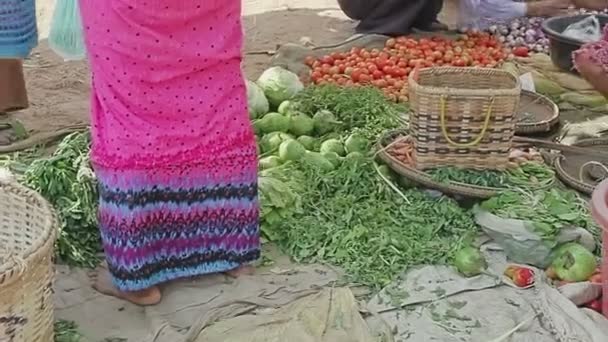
(389, 68)
(526, 169)
(324, 195)
(67, 181)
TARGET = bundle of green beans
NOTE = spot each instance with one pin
(527, 175)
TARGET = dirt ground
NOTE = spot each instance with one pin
(59, 91)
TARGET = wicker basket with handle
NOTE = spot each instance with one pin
(27, 237)
(463, 117)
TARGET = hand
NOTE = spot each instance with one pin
(548, 8)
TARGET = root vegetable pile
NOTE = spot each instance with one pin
(388, 68)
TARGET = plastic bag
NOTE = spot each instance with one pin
(521, 244)
(66, 37)
(586, 30)
(581, 293)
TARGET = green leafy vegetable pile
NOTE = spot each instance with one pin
(66, 180)
(528, 175)
(67, 331)
(351, 218)
(549, 210)
(358, 108)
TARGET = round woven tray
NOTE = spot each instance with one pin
(423, 178)
(27, 237)
(568, 166)
(536, 114)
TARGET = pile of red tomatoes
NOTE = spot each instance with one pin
(388, 68)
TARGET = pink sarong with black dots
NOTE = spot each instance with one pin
(172, 145)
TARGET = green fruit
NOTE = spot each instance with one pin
(273, 122)
(291, 150)
(307, 141)
(333, 158)
(333, 145)
(356, 143)
(317, 160)
(286, 107)
(325, 122)
(269, 162)
(301, 124)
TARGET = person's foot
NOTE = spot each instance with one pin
(245, 270)
(102, 282)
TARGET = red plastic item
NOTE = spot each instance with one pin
(599, 209)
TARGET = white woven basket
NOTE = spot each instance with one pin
(27, 236)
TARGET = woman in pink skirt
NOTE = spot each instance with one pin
(172, 147)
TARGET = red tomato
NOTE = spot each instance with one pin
(336, 55)
(377, 74)
(458, 62)
(327, 60)
(356, 75)
(364, 78)
(381, 83)
(309, 60)
(316, 75)
(521, 51)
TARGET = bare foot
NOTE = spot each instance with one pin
(244, 270)
(102, 282)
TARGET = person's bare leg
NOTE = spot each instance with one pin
(243, 270)
(102, 282)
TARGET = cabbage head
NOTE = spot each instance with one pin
(256, 100)
(279, 85)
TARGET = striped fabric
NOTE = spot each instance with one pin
(159, 232)
(18, 32)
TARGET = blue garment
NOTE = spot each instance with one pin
(483, 13)
(18, 31)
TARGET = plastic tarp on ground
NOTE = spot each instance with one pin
(435, 303)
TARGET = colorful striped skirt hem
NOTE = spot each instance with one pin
(160, 225)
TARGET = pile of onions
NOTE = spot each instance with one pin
(522, 32)
(527, 32)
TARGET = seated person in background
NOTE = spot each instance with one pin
(482, 13)
(591, 60)
(393, 17)
(398, 17)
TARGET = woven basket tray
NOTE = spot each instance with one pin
(536, 114)
(568, 166)
(424, 179)
(27, 237)
(463, 117)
